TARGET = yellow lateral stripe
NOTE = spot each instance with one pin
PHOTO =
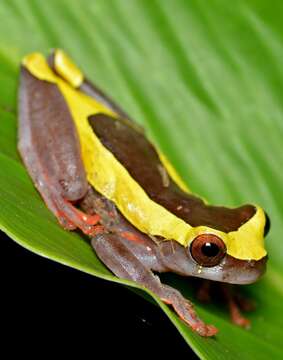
(109, 177)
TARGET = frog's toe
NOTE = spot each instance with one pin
(205, 330)
(71, 218)
(64, 222)
(242, 322)
(85, 222)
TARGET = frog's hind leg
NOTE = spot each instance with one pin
(50, 149)
(114, 253)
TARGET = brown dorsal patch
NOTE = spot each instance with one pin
(141, 160)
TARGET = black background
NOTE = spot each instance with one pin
(51, 309)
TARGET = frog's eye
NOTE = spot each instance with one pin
(208, 250)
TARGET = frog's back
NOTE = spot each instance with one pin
(140, 158)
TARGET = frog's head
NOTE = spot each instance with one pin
(208, 253)
(220, 256)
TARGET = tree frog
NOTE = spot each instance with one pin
(98, 172)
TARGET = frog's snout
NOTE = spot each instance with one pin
(233, 271)
(242, 272)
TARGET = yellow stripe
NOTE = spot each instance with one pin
(113, 181)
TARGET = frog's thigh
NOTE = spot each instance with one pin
(47, 130)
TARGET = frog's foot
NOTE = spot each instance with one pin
(203, 292)
(234, 309)
(67, 214)
(236, 316)
(71, 218)
(112, 249)
(185, 309)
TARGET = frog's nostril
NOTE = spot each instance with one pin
(267, 224)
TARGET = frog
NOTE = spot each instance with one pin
(98, 173)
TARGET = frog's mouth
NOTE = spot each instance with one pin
(234, 271)
(237, 271)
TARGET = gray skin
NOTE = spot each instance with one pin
(50, 149)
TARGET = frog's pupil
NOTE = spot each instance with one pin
(210, 249)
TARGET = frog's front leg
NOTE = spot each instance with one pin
(114, 253)
(203, 292)
(50, 149)
(236, 304)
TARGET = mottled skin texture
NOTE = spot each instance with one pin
(50, 149)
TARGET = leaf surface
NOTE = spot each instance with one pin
(205, 79)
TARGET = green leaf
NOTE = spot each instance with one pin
(206, 80)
